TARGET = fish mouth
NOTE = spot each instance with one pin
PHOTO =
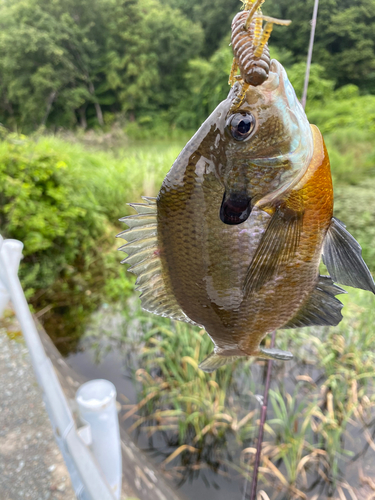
(235, 208)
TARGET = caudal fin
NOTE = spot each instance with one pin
(342, 256)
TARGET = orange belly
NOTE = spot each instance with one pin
(280, 299)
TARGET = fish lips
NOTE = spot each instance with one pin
(235, 208)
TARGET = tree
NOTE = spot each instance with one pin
(344, 43)
(148, 48)
(49, 51)
(63, 61)
(215, 16)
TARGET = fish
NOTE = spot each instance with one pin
(234, 240)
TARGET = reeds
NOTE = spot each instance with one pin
(321, 415)
(198, 414)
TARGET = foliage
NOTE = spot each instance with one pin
(64, 61)
(352, 154)
(344, 110)
(163, 62)
(207, 85)
(355, 206)
(188, 406)
(215, 16)
(320, 89)
(344, 44)
(40, 206)
(50, 54)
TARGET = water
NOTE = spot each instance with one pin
(111, 350)
(111, 367)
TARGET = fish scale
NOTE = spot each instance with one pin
(234, 240)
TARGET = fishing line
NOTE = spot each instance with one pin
(263, 416)
(309, 55)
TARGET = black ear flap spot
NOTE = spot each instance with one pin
(235, 208)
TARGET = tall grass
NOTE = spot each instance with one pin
(206, 420)
(114, 177)
(196, 413)
(318, 403)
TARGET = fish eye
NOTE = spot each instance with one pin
(241, 125)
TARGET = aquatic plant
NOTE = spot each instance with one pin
(317, 406)
(200, 415)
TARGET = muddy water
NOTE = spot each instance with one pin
(103, 354)
(111, 367)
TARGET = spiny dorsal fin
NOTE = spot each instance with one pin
(277, 248)
(321, 308)
(342, 255)
(143, 256)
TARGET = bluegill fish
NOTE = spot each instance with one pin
(234, 240)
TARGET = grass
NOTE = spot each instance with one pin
(197, 413)
(319, 403)
(315, 405)
(114, 177)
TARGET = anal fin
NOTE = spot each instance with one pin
(215, 361)
(321, 308)
(342, 255)
(275, 353)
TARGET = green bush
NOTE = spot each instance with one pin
(63, 201)
(55, 199)
(43, 204)
(343, 111)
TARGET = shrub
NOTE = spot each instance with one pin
(48, 209)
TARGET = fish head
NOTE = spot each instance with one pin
(256, 153)
(268, 146)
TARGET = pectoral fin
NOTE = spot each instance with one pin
(342, 256)
(277, 247)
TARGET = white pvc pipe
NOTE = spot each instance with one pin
(97, 407)
(4, 295)
(4, 299)
(88, 481)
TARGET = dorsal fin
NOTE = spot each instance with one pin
(321, 308)
(342, 256)
(143, 257)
